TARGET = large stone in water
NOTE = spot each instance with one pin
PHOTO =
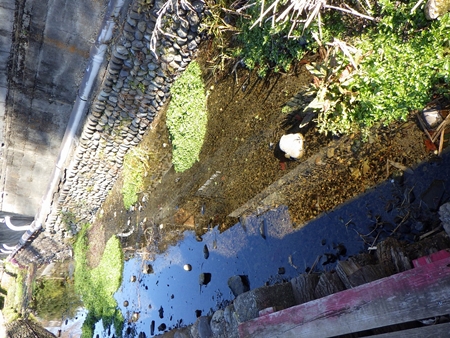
(201, 328)
(238, 285)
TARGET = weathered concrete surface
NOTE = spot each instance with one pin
(49, 43)
(132, 86)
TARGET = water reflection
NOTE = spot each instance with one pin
(242, 250)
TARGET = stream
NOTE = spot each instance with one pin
(268, 249)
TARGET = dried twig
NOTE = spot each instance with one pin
(441, 141)
(429, 233)
(416, 5)
(350, 11)
(298, 7)
(424, 127)
(314, 264)
(401, 222)
(440, 128)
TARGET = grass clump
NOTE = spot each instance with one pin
(135, 167)
(54, 298)
(187, 117)
(96, 286)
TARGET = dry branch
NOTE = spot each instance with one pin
(296, 8)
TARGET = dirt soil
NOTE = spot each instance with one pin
(237, 163)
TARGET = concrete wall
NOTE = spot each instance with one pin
(133, 85)
(46, 47)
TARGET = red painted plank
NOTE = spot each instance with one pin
(414, 294)
(431, 258)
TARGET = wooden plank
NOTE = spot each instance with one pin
(411, 295)
(329, 283)
(391, 251)
(431, 258)
(432, 331)
(352, 274)
(304, 287)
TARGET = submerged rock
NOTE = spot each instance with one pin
(202, 328)
(238, 284)
(204, 278)
(147, 269)
(206, 252)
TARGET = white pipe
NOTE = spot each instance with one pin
(97, 56)
(15, 227)
(8, 247)
(5, 251)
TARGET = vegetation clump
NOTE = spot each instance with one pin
(13, 293)
(394, 63)
(96, 286)
(187, 117)
(135, 166)
(55, 298)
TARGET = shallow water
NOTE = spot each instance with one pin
(242, 250)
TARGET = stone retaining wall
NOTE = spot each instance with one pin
(135, 86)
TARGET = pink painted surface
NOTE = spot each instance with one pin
(330, 309)
(266, 311)
(431, 258)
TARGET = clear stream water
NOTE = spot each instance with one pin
(171, 296)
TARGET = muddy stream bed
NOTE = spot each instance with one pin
(299, 219)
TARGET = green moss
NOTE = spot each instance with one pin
(98, 285)
(187, 117)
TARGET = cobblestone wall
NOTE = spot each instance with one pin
(135, 87)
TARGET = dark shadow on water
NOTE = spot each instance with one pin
(259, 246)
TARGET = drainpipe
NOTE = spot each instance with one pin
(97, 54)
(8, 247)
(15, 227)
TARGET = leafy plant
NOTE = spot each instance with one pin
(401, 71)
(400, 63)
(265, 47)
(187, 117)
(331, 88)
(96, 286)
(16, 288)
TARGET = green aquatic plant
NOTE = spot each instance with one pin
(187, 117)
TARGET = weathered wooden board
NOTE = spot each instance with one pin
(432, 331)
(411, 295)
